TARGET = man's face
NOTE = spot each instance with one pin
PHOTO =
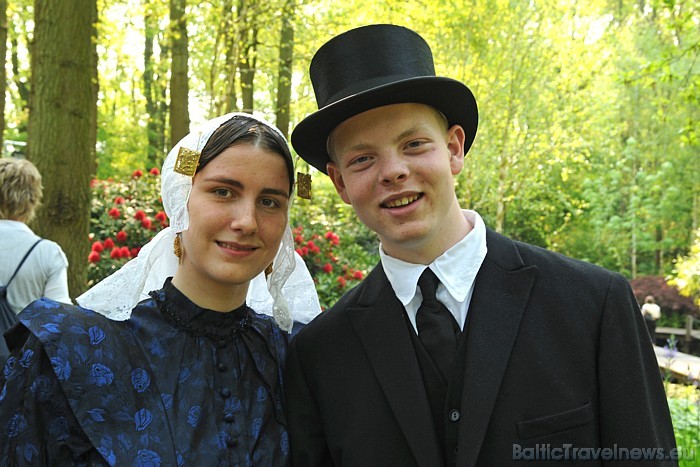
(396, 165)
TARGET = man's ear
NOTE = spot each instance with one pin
(455, 145)
(337, 179)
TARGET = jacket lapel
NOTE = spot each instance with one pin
(381, 326)
(501, 292)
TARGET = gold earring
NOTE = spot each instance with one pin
(268, 271)
(177, 248)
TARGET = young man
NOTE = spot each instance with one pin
(462, 347)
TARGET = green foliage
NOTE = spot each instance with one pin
(686, 275)
(684, 403)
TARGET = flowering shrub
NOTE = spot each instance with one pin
(124, 217)
(331, 271)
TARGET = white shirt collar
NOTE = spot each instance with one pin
(8, 224)
(456, 268)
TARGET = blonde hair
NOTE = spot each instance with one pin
(20, 189)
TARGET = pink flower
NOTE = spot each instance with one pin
(327, 268)
(116, 253)
(94, 257)
(108, 243)
(357, 275)
(140, 215)
(121, 236)
(137, 173)
(97, 247)
(154, 171)
(114, 213)
(119, 200)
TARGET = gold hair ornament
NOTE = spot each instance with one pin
(304, 185)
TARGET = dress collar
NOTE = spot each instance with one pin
(198, 321)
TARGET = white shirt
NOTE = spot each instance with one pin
(456, 268)
(43, 274)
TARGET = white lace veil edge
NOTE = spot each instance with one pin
(288, 294)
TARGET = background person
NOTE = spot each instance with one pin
(461, 344)
(188, 373)
(44, 273)
(651, 312)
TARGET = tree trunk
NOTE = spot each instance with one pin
(179, 88)
(247, 57)
(284, 76)
(3, 71)
(62, 125)
(154, 125)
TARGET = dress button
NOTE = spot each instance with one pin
(222, 367)
(225, 393)
(454, 415)
(229, 418)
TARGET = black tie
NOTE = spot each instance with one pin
(437, 328)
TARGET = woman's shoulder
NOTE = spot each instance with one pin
(58, 324)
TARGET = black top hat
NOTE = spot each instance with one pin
(370, 67)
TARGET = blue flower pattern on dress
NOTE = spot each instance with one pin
(148, 391)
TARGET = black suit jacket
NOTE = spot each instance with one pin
(557, 354)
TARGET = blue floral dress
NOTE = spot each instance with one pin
(175, 384)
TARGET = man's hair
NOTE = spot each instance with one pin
(329, 146)
(20, 189)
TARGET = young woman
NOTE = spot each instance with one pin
(159, 370)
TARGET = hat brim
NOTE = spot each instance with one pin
(449, 96)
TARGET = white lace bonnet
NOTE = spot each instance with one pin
(288, 294)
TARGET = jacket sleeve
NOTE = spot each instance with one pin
(633, 406)
(307, 441)
(39, 426)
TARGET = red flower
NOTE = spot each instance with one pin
(311, 244)
(161, 217)
(108, 243)
(94, 182)
(119, 200)
(327, 268)
(135, 252)
(116, 253)
(357, 275)
(299, 239)
(98, 247)
(154, 171)
(146, 223)
(121, 236)
(125, 252)
(315, 249)
(94, 256)
(299, 252)
(137, 173)
(341, 282)
(114, 213)
(140, 215)
(304, 251)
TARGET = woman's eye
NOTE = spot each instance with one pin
(222, 192)
(270, 203)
